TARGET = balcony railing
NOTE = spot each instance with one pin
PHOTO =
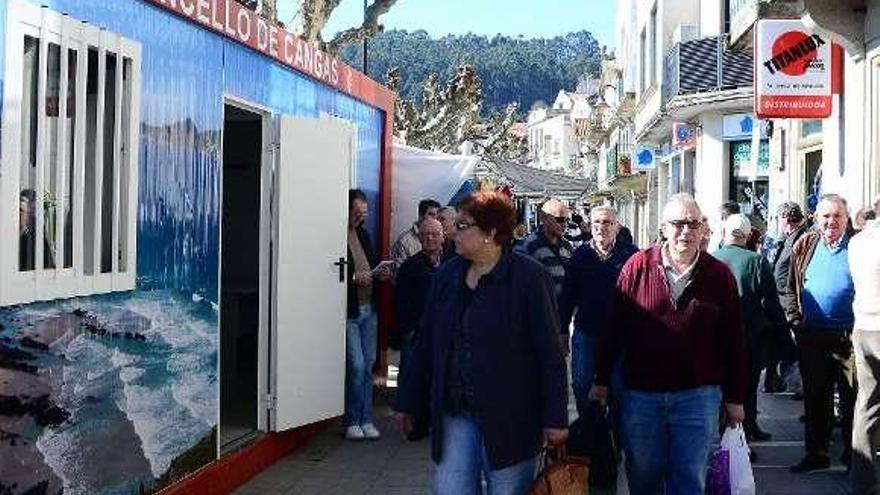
(705, 65)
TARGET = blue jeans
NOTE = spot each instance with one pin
(464, 458)
(583, 368)
(668, 439)
(360, 356)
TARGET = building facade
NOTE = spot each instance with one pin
(689, 67)
(552, 133)
(838, 154)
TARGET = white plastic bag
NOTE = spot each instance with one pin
(742, 482)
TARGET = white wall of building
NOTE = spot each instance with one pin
(712, 174)
(627, 44)
(711, 18)
(552, 142)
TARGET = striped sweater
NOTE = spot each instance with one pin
(554, 257)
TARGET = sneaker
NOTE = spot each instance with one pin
(354, 432)
(370, 432)
(810, 463)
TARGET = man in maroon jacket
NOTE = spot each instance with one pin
(675, 327)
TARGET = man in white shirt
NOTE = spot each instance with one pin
(864, 260)
(408, 243)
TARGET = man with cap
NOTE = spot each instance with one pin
(792, 224)
(760, 304)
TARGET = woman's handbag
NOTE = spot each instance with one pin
(560, 474)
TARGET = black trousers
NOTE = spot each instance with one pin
(826, 359)
(755, 343)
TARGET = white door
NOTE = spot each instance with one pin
(311, 212)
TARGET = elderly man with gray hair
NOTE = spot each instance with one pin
(819, 305)
(757, 294)
(678, 336)
(864, 262)
(589, 282)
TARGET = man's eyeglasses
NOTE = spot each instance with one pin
(463, 225)
(602, 222)
(561, 220)
(681, 224)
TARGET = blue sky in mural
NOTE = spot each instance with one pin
(140, 374)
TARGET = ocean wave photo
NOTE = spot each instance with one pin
(102, 395)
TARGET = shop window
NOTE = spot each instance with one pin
(70, 167)
(749, 186)
(810, 128)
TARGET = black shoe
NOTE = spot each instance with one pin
(846, 458)
(774, 385)
(757, 435)
(810, 463)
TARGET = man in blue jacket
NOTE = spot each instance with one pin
(586, 293)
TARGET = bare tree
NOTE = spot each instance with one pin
(450, 115)
(314, 15)
(269, 9)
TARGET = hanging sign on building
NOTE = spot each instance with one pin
(741, 126)
(792, 70)
(684, 136)
(644, 158)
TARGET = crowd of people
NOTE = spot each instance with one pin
(672, 339)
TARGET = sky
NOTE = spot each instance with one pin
(530, 18)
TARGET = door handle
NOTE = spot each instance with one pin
(341, 264)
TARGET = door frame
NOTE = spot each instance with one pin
(267, 178)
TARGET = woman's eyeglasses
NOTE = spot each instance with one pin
(463, 224)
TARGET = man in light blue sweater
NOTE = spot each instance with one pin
(820, 296)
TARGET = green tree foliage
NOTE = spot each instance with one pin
(513, 70)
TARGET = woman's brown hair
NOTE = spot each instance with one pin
(491, 211)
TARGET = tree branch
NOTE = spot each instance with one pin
(315, 14)
(368, 29)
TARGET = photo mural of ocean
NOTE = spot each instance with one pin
(111, 394)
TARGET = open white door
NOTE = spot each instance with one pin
(311, 212)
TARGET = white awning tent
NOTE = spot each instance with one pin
(421, 174)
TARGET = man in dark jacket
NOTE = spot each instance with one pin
(586, 292)
(760, 306)
(360, 323)
(818, 304)
(410, 293)
(783, 352)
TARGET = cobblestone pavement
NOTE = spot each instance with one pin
(330, 465)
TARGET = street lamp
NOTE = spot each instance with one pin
(365, 40)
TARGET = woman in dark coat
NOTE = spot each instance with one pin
(488, 359)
